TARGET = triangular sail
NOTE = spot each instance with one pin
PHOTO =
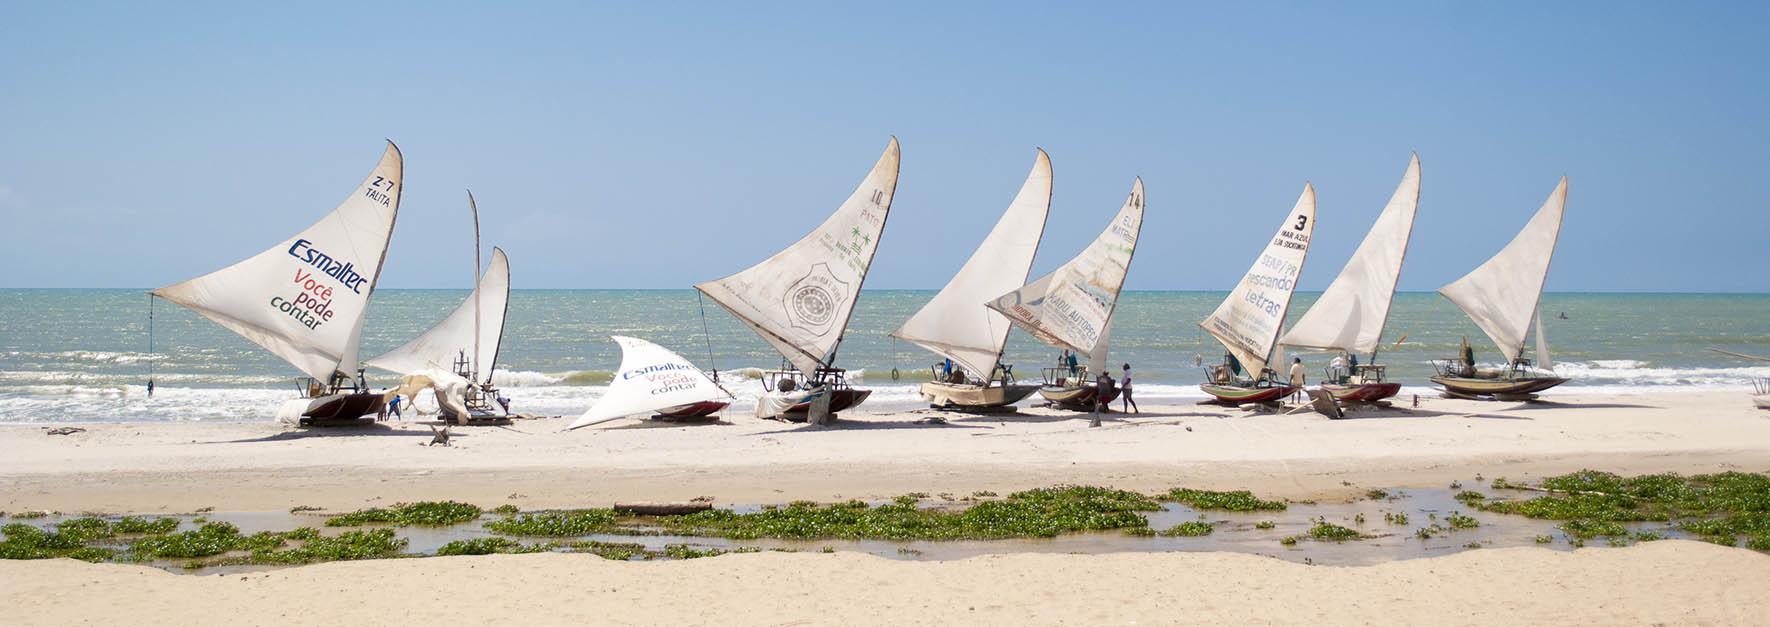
(651, 378)
(1248, 322)
(1351, 313)
(1542, 345)
(304, 299)
(1501, 295)
(800, 299)
(955, 323)
(455, 335)
(1097, 356)
(1069, 308)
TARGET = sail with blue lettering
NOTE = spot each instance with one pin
(304, 298)
(1248, 322)
(651, 378)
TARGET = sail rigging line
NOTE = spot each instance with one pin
(473, 366)
(150, 355)
(707, 334)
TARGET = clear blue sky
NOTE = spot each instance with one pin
(644, 146)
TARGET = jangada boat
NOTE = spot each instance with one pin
(465, 342)
(1350, 315)
(1502, 296)
(957, 325)
(800, 300)
(1248, 321)
(304, 299)
(1760, 386)
(1072, 307)
(653, 380)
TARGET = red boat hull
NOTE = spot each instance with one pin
(1236, 396)
(1363, 392)
(693, 410)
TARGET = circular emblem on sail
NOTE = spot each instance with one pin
(812, 302)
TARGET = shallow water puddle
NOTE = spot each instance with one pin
(1391, 529)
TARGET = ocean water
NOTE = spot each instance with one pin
(79, 355)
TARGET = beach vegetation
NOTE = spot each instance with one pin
(1376, 494)
(1189, 529)
(357, 544)
(557, 523)
(1235, 501)
(1040, 513)
(28, 515)
(1331, 532)
(488, 546)
(422, 513)
(506, 510)
(1265, 524)
(1395, 518)
(1457, 520)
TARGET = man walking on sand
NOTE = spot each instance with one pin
(1125, 392)
(1102, 389)
(1298, 376)
(393, 407)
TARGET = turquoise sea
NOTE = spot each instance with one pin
(82, 355)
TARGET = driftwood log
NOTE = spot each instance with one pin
(662, 509)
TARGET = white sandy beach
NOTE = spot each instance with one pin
(140, 468)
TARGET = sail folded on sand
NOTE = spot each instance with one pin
(1501, 295)
(454, 336)
(955, 323)
(1070, 307)
(1248, 322)
(304, 299)
(800, 299)
(1351, 313)
(651, 378)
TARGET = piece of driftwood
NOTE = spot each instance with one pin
(64, 431)
(663, 509)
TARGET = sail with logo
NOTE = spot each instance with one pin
(800, 299)
(1249, 320)
(1071, 308)
(304, 299)
(652, 379)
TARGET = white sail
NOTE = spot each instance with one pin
(955, 323)
(800, 299)
(304, 299)
(1542, 345)
(1097, 356)
(651, 378)
(1351, 313)
(1070, 307)
(1501, 295)
(1248, 322)
(438, 347)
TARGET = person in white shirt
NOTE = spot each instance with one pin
(1125, 392)
(1298, 377)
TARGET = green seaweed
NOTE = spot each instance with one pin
(423, 514)
(560, 523)
(1193, 528)
(1236, 501)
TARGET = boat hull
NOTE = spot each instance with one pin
(341, 407)
(840, 400)
(1361, 392)
(1075, 398)
(1233, 395)
(965, 396)
(692, 410)
(1522, 388)
(1762, 401)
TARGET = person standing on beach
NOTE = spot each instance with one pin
(393, 407)
(1298, 377)
(1069, 359)
(1125, 392)
(1102, 392)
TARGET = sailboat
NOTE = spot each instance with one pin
(1248, 322)
(800, 300)
(957, 325)
(654, 380)
(304, 299)
(1350, 316)
(1072, 307)
(1502, 296)
(1760, 386)
(465, 342)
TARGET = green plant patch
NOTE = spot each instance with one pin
(1236, 501)
(357, 544)
(423, 514)
(619, 551)
(1333, 533)
(1190, 529)
(1457, 520)
(1586, 529)
(1041, 513)
(557, 524)
(488, 546)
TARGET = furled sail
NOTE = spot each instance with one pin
(1351, 314)
(304, 299)
(1247, 323)
(955, 323)
(1501, 295)
(651, 378)
(440, 346)
(1542, 345)
(800, 299)
(1070, 307)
